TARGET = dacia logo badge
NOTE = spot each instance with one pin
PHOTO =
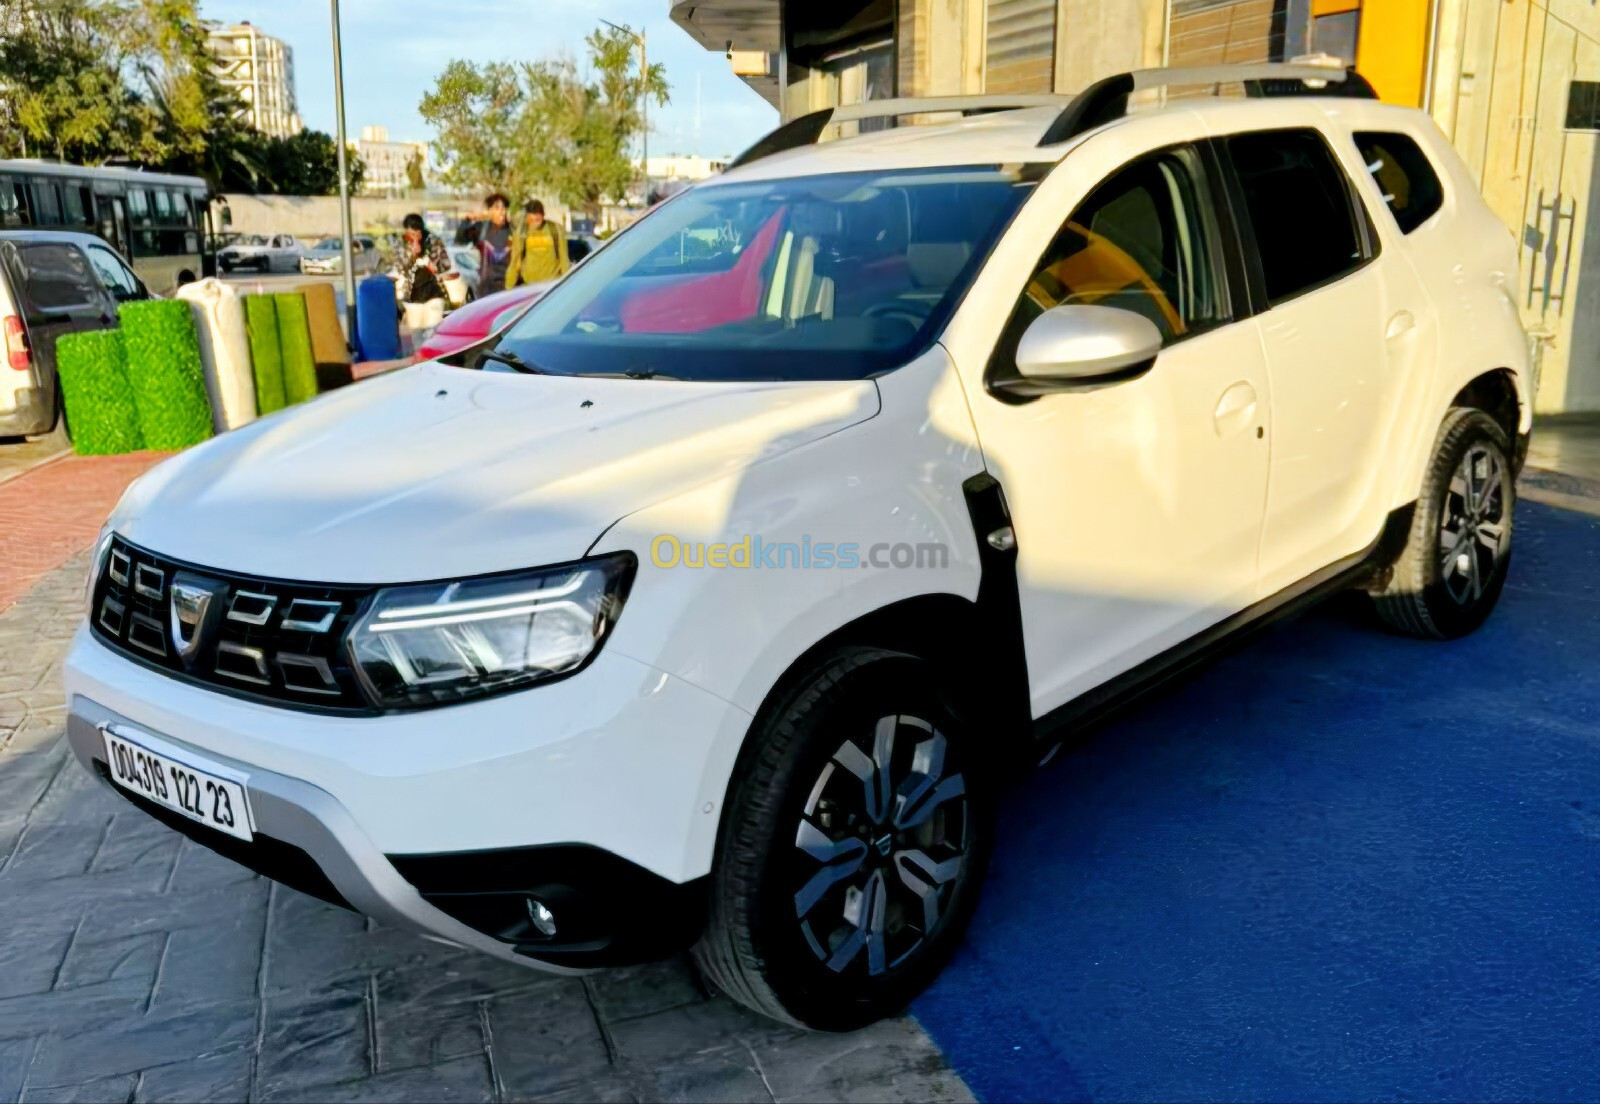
(196, 607)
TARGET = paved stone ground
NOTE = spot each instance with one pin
(18, 454)
(135, 965)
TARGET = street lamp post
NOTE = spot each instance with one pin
(346, 253)
(644, 95)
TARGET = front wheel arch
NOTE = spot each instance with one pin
(944, 630)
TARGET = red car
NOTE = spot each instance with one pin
(478, 319)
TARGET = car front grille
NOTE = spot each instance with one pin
(266, 640)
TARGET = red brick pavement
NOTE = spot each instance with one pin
(54, 511)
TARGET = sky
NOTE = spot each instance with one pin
(393, 50)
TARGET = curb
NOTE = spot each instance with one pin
(35, 466)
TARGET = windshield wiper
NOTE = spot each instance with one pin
(631, 373)
(505, 356)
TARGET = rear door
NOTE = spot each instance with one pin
(1323, 321)
(58, 293)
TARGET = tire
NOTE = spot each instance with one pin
(830, 906)
(1450, 575)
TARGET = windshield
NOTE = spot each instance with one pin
(823, 277)
(250, 239)
(328, 245)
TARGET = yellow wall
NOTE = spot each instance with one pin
(1394, 48)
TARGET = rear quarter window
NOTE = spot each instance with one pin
(1410, 185)
(53, 276)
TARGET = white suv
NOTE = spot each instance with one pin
(708, 604)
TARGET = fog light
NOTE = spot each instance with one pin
(541, 918)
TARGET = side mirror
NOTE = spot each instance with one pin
(1069, 347)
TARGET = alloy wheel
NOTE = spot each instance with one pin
(1473, 525)
(881, 847)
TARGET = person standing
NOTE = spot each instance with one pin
(539, 249)
(494, 243)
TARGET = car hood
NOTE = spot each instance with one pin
(434, 471)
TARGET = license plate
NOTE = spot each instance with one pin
(199, 795)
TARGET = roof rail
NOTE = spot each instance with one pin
(1107, 100)
(807, 129)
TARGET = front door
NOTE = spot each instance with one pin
(1137, 506)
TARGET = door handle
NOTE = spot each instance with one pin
(1400, 325)
(1236, 409)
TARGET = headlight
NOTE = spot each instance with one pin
(102, 545)
(445, 642)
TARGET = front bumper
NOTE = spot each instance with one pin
(598, 795)
(305, 830)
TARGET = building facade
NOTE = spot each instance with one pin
(259, 69)
(387, 165)
(1515, 84)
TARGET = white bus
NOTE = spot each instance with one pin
(158, 221)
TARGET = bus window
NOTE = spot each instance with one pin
(79, 205)
(181, 211)
(139, 205)
(13, 203)
(46, 205)
(163, 206)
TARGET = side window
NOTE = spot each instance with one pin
(139, 204)
(1142, 242)
(13, 203)
(55, 277)
(113, 274)
(1297, 200)
(163, 202)
(1405, 176)
(78, 205)
(47, 205)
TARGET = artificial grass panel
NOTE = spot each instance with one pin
(266, 353)
(294, 339)
(94, 387)
(165, 372)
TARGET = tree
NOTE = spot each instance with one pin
(308, 164)
(62, 87)
(542, 126)
(89, 81)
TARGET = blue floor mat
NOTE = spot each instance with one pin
(1337, 865)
